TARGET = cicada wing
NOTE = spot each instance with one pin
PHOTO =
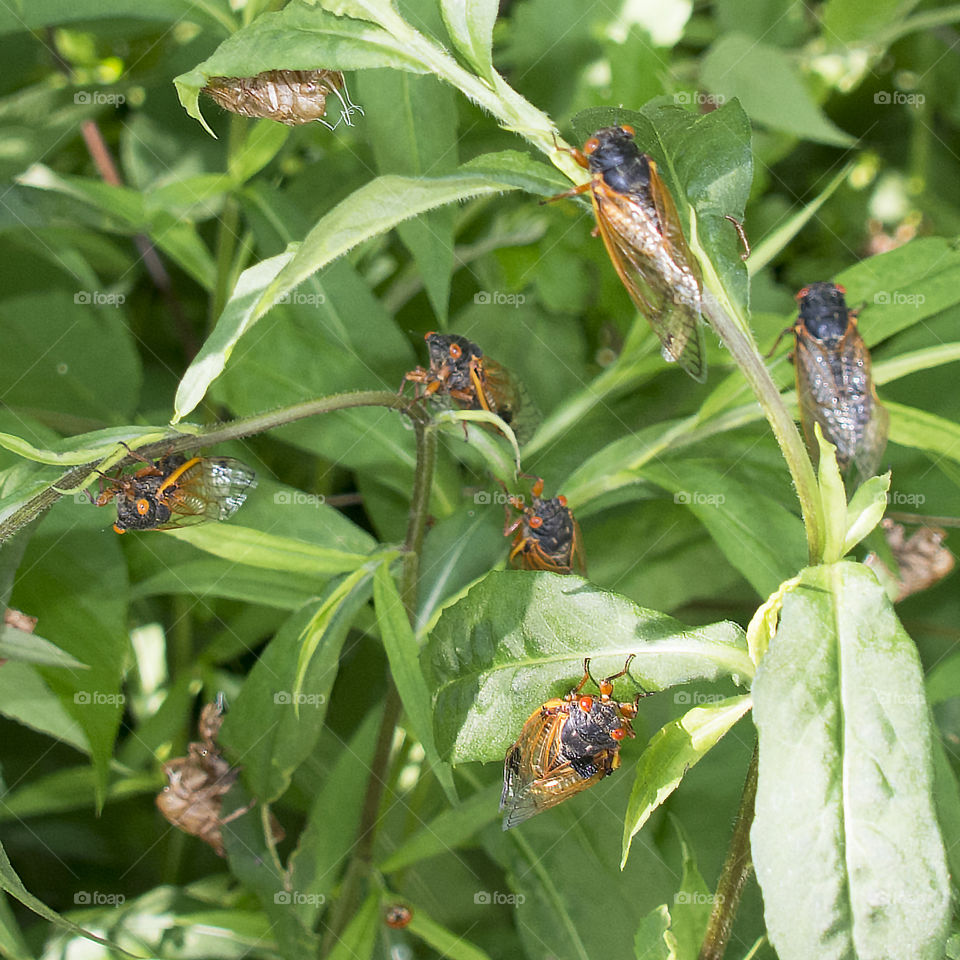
(578, 556)
(660, 281)
(212, 488)
(874, 442)
(820, 399)
(538, 795)
(671, 226)
(510, 400)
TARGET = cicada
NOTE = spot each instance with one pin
(177, 492)
(547, 536)
(641, 229)
(566, 746)
(198, 782)
(287, 96)
(460, 370)
(834, 386)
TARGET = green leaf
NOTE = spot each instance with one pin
(258, 549)
(412, 123)
(237, 317)
(847, 21)
(299, 37)
(25, 698)
(833, 499)
(86, 448)
(943, 681)
(450, 830)
(281, 708)
(693, 902)
(886, 371)
(403, 654)
(43, 13)
(263, 142)
(845, 841)
(444, 941)
(334, 816)
(373, 209)
(518, 630)
(911, 427)
(10, 882)
(470, 24)
(865, 511)
(29, 648)
(358, 940)
(756, 532)
(654, 939)
(671, 752)
(780, 101)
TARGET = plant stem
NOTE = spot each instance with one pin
(736, 870)
(179, 441)
(362, 858)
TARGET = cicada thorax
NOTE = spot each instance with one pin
(566, 746)
(834, 383)
(641, 229)
(290, 97)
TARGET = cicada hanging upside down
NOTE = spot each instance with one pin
(547, 536)
(834, 386)
(291, 97)
(460, 370)
(177, 492)
(641, 229)
(566, 746)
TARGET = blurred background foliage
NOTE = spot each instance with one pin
(106, 294)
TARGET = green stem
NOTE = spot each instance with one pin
(736, 870)
(361, 861)
(178, 442)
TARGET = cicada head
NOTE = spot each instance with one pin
(823, 310)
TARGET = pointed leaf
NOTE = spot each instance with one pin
(845, 841)
(470, 23)
(524, 631)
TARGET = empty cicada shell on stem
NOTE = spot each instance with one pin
(287, 96)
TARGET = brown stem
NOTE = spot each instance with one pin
(736, 870)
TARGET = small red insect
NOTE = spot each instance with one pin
(397, 916)
(177, 492)
(641, 229)
(566, 746)
(547, 536)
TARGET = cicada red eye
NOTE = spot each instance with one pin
(585, 704)
(627, 129)
(619, 733)
(455, 352)
(535, 522)
(143, 507)
(591, 145)
(562, 500)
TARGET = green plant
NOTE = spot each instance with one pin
(377, 670)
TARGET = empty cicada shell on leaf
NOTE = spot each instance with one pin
(287, 96)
